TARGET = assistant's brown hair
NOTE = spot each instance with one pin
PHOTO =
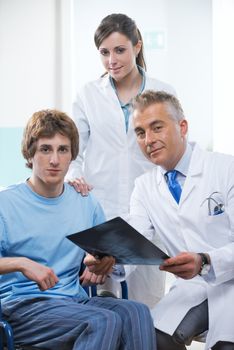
(47, 123)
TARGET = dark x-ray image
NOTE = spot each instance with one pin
(120, 240)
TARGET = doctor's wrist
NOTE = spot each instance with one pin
(205, 264)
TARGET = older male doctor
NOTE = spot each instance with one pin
(188, 200)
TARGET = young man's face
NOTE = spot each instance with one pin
(50, 163)
(161, 138)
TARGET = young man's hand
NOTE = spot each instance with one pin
(98, 266)
(42, 275)
(89, 278)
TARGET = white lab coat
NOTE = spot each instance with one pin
(110, 160)
(188, 227)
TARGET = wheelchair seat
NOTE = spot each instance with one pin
(6, 333)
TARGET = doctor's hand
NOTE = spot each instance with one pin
(81, 186)
(99, 266)
(185, 265)
(89, 278)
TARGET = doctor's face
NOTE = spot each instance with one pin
(118, 55)
(161, 138)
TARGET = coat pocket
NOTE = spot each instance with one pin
(218, 230)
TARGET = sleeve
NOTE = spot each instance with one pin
(222, 263)
(118, 273)
(139, 217)
(81, 120)
(222, 259)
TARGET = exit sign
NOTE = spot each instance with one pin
(154, 40)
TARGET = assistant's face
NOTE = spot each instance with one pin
(161, 138)
(118, 55)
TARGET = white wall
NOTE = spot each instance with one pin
(38, 70)
(223, 75)
(27, 60)
(34, 58)
(35, 72)
(185, 61)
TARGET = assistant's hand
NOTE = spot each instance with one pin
(81, 186)
(185, 265)
(101, 266)
(89, 278)
(42, 275)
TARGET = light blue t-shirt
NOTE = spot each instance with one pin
(36, 227)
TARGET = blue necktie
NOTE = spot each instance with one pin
(173, 184)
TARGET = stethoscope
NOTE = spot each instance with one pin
(219, 207)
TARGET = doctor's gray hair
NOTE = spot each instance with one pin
(150, 97)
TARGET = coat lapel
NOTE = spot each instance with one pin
(163, 189)
(194, 174)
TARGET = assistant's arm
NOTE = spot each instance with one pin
(82, 123)
(75, 173)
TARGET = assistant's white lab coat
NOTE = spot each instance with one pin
(189, 227)
(110, 160)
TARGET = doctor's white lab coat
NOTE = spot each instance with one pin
(192, 226)
(110, 160)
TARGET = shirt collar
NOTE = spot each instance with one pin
(183, 165)
(142, 72)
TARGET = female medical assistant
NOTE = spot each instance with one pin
(110, 160)
(109, 157)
